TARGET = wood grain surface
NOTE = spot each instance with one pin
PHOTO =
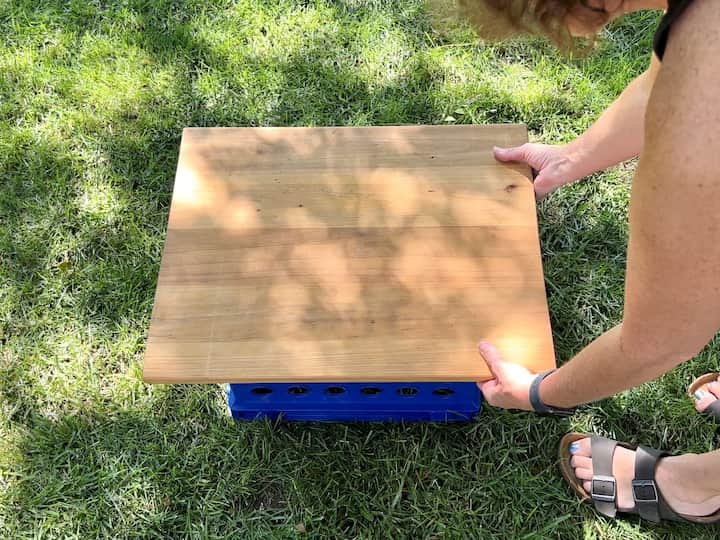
(347, 254)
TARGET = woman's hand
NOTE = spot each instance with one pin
(510, 386)
(554, 164)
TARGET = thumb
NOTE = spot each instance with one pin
(492, 358)
(543, 186)
(488, 388)
(516, 153)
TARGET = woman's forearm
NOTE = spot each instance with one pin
(619, 132)
(602, 369)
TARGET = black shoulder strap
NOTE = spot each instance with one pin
(675, 9)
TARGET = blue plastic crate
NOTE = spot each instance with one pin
(351, 402)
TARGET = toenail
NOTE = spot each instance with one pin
(574, 447)
(699, 394)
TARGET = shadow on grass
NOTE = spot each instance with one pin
(178, 468)
(101, 266)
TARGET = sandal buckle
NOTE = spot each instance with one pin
(600, 485)
(644, 491)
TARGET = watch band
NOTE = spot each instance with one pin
(537, 403)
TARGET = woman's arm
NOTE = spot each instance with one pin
(672, 289)
(619, 132)
(614, 137)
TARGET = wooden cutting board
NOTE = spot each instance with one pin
(347, 254)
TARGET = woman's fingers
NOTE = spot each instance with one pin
(516, 153)
(543, 184)
(488, 389)
(510, 384)
(492, 358)
(534, 155)
(549, 164)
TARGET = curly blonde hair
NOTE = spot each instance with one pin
(495, 20)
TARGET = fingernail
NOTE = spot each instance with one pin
(574, 447)
(699, 394)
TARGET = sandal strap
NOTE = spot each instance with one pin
(645, 491)
(649, 502)
(604, 488)
(713, 410)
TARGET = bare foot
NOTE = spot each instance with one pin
(706, 394)
(680, 479)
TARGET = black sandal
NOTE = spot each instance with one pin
(712, 411)
(649, 501)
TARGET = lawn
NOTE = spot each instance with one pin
(93, 97)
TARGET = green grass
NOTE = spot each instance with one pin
(93, 97)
